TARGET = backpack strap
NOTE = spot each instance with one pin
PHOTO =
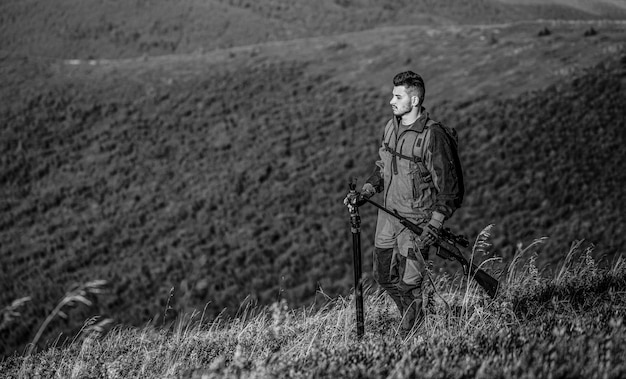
(413, 158)
(417, 159)
(425, 175)
(386, 138)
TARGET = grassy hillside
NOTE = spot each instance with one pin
(549, 163)
(567, 325)
(221, 174)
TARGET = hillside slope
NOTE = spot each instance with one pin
(188, 184)
(221, 174)
(89, 29)
(569, 325)
(606, 8)
(548, 163)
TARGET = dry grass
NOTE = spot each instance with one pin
(79, 295)
(465, 333)
(11, 313)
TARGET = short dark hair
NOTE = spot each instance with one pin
(412, 82)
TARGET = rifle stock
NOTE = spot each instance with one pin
(448, 250)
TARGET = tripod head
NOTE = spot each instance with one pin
(352, 184)
(353, 208)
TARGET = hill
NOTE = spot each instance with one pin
(569, 325)
(220, 174)
(90, 29)
(604, 8)
(547, 162)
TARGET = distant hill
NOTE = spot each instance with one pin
(115, 29)
(221, 173)
(603, 8)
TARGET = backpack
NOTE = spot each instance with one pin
(453, 138)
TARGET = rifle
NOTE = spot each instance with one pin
(446, 249)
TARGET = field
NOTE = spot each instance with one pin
(210, 175)
(568, 325)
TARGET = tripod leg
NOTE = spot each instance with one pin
(358, 285)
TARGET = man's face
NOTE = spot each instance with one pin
(401, 101)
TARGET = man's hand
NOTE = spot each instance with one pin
(354, 199)
(368, 190)
(430, 234)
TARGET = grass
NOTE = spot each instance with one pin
(78, 295)
(11, 313)
(568, 324)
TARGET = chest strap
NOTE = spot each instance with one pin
(395, 154)
(415, 159)
(423, 171)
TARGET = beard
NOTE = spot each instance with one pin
(401, 110)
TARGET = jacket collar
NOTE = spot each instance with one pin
(419, 124)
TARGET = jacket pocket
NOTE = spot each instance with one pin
(422, 184)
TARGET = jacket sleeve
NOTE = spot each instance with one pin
(376, 179)
(440, 163)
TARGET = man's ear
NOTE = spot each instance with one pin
(415, 100)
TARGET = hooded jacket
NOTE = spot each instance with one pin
(416, 171)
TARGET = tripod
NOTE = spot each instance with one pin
(355, 228)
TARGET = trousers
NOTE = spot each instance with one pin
(400, 268)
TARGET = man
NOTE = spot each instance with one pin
(417, 176)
